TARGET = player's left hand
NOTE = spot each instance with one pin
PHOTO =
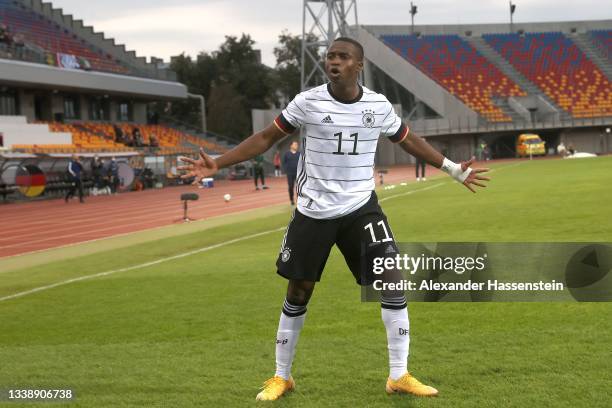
(474, 178)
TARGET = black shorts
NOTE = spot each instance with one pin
(359, 235)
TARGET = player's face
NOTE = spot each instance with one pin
(343, 63)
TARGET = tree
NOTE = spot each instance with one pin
(233, 81)
(225, 113)
(241, 67)
(288, 63)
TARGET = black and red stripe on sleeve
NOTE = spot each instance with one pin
(284, 125)
(400, 135)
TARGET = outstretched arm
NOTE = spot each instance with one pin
(254, 145)
(418, 147)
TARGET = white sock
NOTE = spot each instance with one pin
(398, 340)
(289, 328)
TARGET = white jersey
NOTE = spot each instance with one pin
(336, 167)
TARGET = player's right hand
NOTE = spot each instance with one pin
(203, 167)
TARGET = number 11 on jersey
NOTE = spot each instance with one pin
(339, 136)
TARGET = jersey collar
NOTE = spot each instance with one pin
(356, 99)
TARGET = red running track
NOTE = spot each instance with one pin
(34, 226)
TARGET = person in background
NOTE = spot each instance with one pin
(148, 178)
(137, 137)
(96, 173)
(113, 174)
(561, 150)
(420, 164)
(153, 142)
(277, 164)
(258, 172)
(75, 168)
(5, 35)
(118, 134)
(290, 165)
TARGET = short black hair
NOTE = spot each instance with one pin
(354, 42)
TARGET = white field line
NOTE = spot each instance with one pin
(410, 192)
(440, 184)
(139, 266)
(185, 254)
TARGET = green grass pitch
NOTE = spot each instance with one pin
(199, 330)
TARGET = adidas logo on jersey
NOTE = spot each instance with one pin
(327, 119)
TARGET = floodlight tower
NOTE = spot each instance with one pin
(413, 11)
(512, 10)
(322, 22)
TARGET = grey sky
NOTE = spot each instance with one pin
(165, 28)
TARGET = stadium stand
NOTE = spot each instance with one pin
(58, 46)
(459, 68)
(559, 68)
(100, 137)
(602, 39)
(16, 131)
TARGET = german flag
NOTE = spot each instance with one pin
(31, 180)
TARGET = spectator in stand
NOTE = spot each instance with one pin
(113, 175)
(96, 173)
(118, 134)
(258, 172)
(290, 164)
(277, 163)
(5, 35)
(137, 137)
(153, 142)
(75, 168)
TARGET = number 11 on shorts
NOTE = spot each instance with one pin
(370, 227)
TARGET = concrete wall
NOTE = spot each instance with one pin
(57, 105)
(140, 112)
(26, 104)
(84, 103)
(593, 140)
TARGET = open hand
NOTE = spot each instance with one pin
(474, 177)
(203, 167)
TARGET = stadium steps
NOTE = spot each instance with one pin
(503, 104)
(585, 43)
(505, 67)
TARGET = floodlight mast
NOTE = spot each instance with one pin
(413, 11)
(512, 10)
(322, 22)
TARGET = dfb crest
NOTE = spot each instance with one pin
(368, 118)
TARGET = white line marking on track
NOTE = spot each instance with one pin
(139, 266)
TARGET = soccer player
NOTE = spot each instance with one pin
(336, 202)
